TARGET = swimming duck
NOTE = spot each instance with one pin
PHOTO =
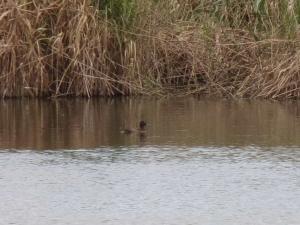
(140, 130)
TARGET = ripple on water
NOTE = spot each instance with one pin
(151, 185)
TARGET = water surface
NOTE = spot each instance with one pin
(201, 162)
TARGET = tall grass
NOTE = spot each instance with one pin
(122, 47)
(122, 12)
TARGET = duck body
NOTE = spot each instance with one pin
(140, 130)
(127, 131)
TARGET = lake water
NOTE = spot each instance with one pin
(201, 162)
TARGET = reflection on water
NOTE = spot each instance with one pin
(81, 123)
(201, 162)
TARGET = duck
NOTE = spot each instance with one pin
(140, 130)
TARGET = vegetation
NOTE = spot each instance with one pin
(232, 48)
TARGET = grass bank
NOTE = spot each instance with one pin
(247, 49)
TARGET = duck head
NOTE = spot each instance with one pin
(142, 125)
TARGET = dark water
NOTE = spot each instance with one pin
(201, 162)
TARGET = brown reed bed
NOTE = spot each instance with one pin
(79, 48)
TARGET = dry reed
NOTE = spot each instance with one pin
(62, 48)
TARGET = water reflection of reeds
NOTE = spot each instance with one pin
(81, 123)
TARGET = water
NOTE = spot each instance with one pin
(201, 162)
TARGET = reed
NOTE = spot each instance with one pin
(90, 48)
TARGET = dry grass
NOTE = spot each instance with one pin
(201, 56)
(56, 48)
(69, 47)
